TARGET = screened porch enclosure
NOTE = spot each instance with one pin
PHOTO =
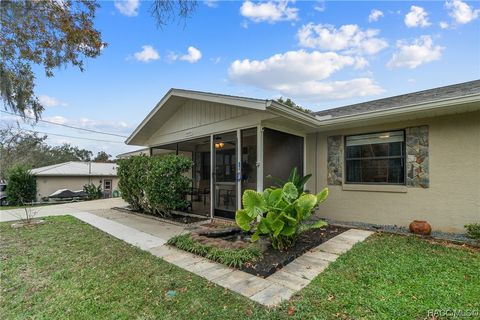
(226, 164)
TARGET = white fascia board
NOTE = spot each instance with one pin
(402, 110)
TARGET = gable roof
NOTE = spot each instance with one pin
(404, 100)
(176, 97)
(77, 168)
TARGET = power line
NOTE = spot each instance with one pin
(66, 125)
(66, 136)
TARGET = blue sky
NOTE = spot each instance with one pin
(321, 54)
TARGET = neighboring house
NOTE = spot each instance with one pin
(388, 161)
(145, 151)
(74, 175)
(139, 152)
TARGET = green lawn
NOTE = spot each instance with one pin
(67, 269)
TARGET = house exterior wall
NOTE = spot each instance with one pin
(199, 118)
(46, 185)
(451, 199)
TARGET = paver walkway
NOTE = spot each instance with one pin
(141, 232)
(276, 288)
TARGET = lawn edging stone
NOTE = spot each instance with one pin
(276, 288)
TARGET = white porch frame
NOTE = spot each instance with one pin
(259, 163)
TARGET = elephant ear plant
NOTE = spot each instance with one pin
(281, 214)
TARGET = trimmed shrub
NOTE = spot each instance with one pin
(473, 230)
(21, 186)
(132, 174)
(154, 184)
(167, 184)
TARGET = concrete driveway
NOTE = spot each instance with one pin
(63, 209)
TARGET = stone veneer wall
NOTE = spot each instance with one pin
(335, 160)
(417, 156)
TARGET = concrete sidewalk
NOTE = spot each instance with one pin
(129, 234)
(63, 209)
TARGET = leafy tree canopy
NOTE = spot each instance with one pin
(102, 156)
(290, 103)
(53, 34)
(31, 150)
(48, 33)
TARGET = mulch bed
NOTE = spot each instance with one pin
(174, 218)
(273, 259)
(178, 218)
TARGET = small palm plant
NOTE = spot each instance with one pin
(282, 214)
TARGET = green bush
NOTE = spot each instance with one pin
(281, 214)
(167, 184)
(21, 186)
(132, 174)
(92, 191)
(230, 257)
(473, 230)
(154, 184)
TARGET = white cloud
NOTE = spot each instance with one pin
(58, 119)
(360, 63)
(86, 123)
(300, 74)
(147, 54)
(417, 17)
(443, 25)
(48, 101)
(128, 8)
(192, 56)
(347, 37)
(461, 12)
(292, 66)
(375, 14)
(216, 60)
(211, 3)
(413, 54)
(271, 11)
(320, 6)
(333, 90)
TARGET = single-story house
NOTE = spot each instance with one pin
(138, 152)
(387, 161)
(73, 175)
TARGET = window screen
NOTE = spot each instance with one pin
(377, 158)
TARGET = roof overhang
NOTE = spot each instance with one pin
(429, 109)
(174, 98)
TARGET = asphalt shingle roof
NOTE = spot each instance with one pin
(425, 96)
